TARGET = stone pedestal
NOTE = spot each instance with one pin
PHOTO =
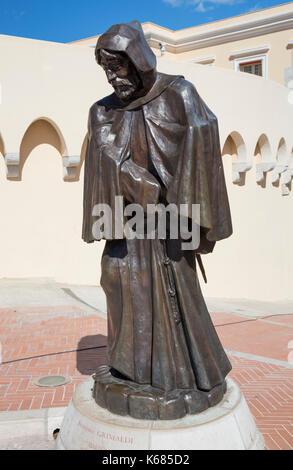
(227, 426)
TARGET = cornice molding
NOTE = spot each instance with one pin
(263, 168)
(204, 60)
(249, 52)
(238, 170)
(277, 171)
(230, 33)
(12, 161)
(70, 166)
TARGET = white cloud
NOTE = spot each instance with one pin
(216, 2)
(202, 5)
(174, 3)
(256, 7)
(201, 8)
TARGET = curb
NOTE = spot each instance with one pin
(40, 423)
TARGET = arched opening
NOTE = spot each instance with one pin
(290, 164)
(282, 158)
(288, 175)
(41, 131)
(263, 159)
(262, 151)
(2, 154)
(230, 148)
(2, 149)
(83, 150)
(235, 147)
(281, 162)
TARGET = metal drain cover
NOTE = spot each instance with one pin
(52, 381)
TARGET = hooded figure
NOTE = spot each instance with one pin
(156, 142)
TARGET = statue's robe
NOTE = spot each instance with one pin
(164, 146)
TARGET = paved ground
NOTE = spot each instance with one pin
(27, 443)
(47, 329)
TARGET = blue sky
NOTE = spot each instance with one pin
(69, 20)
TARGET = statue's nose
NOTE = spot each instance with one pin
(111, 75)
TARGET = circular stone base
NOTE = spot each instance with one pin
(226, 426)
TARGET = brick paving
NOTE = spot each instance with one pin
(65, 340)
(34, 346)
(267, 337)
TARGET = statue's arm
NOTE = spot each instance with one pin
(138, 185)
(199, 177)
(89, 172)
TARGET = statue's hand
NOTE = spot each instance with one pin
(138, 185)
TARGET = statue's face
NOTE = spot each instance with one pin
(121, 74)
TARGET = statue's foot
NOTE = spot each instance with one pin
(126, 398)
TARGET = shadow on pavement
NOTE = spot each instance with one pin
(91, 353)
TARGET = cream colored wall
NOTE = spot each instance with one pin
(41, 214)
(40, 227)
(41, 224)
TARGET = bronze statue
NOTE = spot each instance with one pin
(153, 141)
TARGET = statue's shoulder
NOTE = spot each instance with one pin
(183, 87)
(98, 111)
(187, 94)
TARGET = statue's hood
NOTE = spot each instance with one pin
(129, 38)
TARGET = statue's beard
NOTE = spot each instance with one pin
(125, 88)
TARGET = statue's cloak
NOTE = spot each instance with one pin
(160, 331)
(183, 144)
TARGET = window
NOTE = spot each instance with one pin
(253, 61)
(254, 67)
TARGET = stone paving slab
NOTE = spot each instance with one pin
(250, 307)
(27, 443)
(30, 429)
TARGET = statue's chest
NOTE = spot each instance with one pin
(138, 141)
(139, 149)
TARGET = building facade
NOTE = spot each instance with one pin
(259, 42)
